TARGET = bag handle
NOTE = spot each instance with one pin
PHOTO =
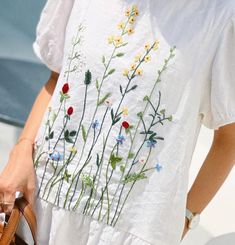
(21, 207)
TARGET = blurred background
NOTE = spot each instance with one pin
(21, 77)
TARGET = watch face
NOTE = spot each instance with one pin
(194, 221)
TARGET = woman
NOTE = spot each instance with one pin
(106, 150)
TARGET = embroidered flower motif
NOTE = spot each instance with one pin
(132, 20)
(118, 40)
(73, 150)
(130, 31)
(151, 143)
(55, 155)
(156, 44)
(120, 138)
(70, 111)
(125, 124)
(137, 57)
(133, 66)
(139, 72)
(125, 111)
(142, 160)
(147, 46)
(65, 88)
(121, 25)
(147, 58)
(95, 124)
(158, 167)
(111, 39)
(108, 102)
(128, 12)
(125, 72)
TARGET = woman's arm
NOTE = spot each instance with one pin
(19, 174)
(214, 171)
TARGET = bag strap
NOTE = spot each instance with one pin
(28, 213)
(21, 207)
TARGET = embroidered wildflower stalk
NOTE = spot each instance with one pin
(63, 97)
(117, 43)
(87, 81)
(116, 115)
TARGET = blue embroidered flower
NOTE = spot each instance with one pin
(158, 167)
(56, 156)
(151, 143)
(120, 138)
(95, 124)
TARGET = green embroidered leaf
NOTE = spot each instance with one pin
(170, 118)
(116, 120)
(97, 160)
(83, 133)
(122, 168)
(120, 89)
(97, 84)
(162, 111)
(132, 88)
(131, 155)
(103, 99)
(133, 177)
(119, 54)
(69, 140)
(72, 133)
(140, 114)
(146, 97)
(87, 180)
(87, 79)
(51, 135)
(112, 115)
(66, 133)
(103, 59)
(114, 160)
(67, 175)
(111, 71)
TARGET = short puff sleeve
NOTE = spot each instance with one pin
(219, 107)
(50, 33)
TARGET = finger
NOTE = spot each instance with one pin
(29, 195)
(8, 202)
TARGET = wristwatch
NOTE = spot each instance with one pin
(193, 218)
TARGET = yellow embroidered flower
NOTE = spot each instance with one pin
(118, 40)
(139, 72)
(73, 150)
(110, 39)
(133, 66)
(147, 58)
(134, 7)
(147, 46)
(132, 20)
(136, 12)
(130, 31)
(137, 57)
(125, 72)
(121, 25)
(127, 12)
(156, 44)
(125, 111)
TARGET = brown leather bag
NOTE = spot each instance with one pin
(8, 234)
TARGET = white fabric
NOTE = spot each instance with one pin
(196, 87)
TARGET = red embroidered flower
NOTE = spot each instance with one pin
(70, 111)
(125, 124)
(65, 88)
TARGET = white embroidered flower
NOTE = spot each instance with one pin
(142, 160)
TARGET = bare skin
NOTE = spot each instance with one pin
(214, 171)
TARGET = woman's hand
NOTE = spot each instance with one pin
(18, 175)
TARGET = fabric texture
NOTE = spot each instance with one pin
(137, 81)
